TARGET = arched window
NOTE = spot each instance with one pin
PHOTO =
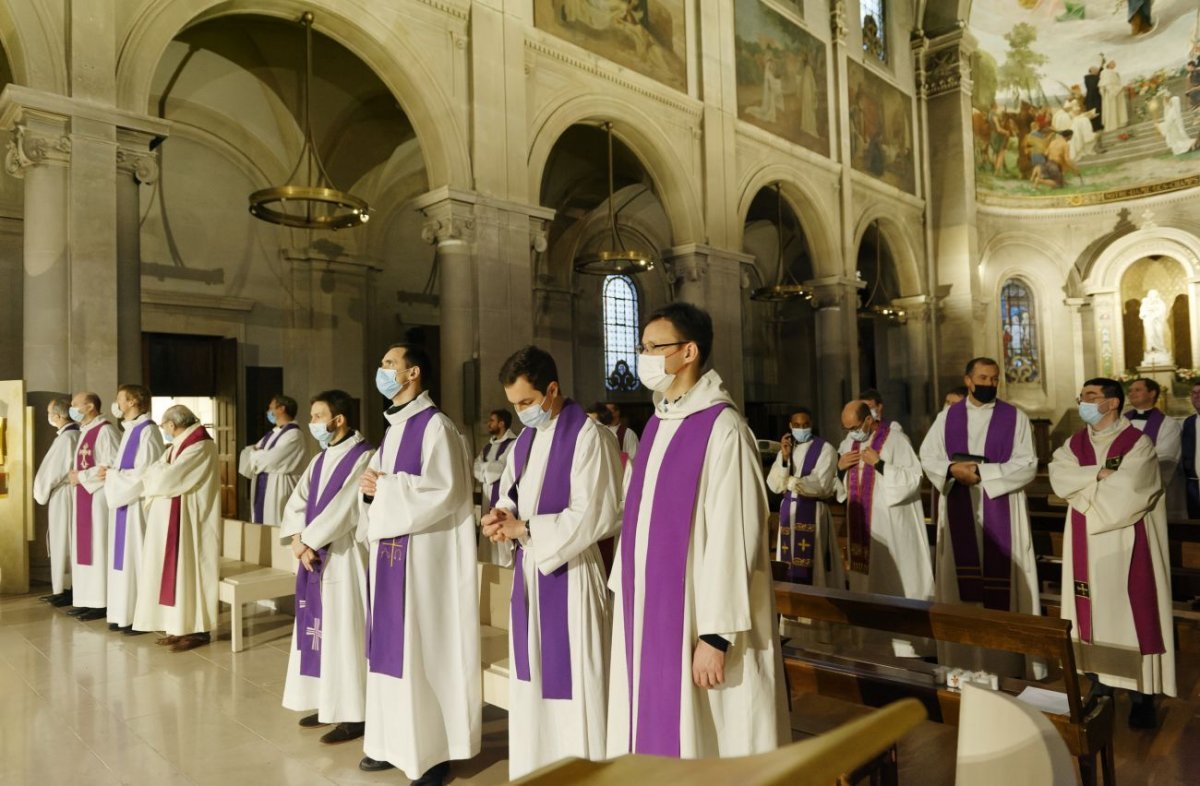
(620, 307)
(1019, 332)
(874, 29)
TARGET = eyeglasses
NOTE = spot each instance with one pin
(1091, 398)
(644, 349)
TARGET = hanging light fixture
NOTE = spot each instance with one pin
(871, 309)
(785, 287)
(617, 258)
(315, 203)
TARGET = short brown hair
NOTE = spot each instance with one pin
(139, 394)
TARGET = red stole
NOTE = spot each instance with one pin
(166, 587)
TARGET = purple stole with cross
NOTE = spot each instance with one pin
(672, 512)
(128, 458)
(990, 584)
(166, 588)
(1154, 421)
(860, 480)
(385, 624)
(84, 454)
(1188, 467)
(494, 493)
(799, 530)
(553, 631)
(260, 480)
(308, 583)
(1143, 594)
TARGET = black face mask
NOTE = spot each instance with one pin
(984, 394)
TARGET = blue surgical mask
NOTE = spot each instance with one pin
(167, 438)
(1090, 412)
(534, 416)
(858, 435)
(387, 384)
(76, 414)
(321, 433)
(271, 416)
(802, 435)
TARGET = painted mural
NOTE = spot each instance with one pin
(1085, 101)
(782, 84)
(648, 36)
(881, 134)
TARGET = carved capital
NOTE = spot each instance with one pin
(448, 220)
(837, 21)
(141, 165)
(28, 149)
(689, 269)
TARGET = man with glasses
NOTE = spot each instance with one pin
(696, 665)
(1116, 580)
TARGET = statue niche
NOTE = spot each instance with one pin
(1155, 314)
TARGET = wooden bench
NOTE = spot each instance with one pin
(1086, 729)
(254, 566)
(495, 587)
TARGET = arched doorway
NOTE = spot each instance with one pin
(883, 352)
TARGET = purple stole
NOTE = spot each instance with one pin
(308, 583)
(1154, 421)
(260, 480)
(494, 493)
(669, 531)
(1188, 467)
(1143, 595)
(385, 624)
(128, 457)
(990, 584)
(860, 481)
(84, 453)
(555, 496)
(166, 588)
(804, 528)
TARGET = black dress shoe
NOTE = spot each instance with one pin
(47, 598)
(129, 631)
(311, 721)
(92, 614)
(344, 732)
(1143, 714)
(61, 599)
(113, 626)
(78, 610)
(373, 765)
(435, 777)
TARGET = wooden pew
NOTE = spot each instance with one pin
(1087, 729)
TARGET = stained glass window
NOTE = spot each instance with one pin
(874, 29)
(1018, 323)
(620, 306)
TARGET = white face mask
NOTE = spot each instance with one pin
(116, 411)
(652, 371)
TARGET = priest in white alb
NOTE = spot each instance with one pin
(1116, 562)
(52, 488)
(879, 479)
(141, 445)
(327, 669)
(805, 473)
(274, 463)
(97, 446)
(177, 583)
(424, 697)
(697, 669)
(559, 498)
(979, 457)
(1163, 430)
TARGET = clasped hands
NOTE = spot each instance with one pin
(868, 455)
(310, 559)
(966, 473)
(500, 526)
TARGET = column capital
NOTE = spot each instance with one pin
(452, 214)
(690, 262)
(943, 63)
(34, 145)
(134, 157)
(837, 22)
(833, 291)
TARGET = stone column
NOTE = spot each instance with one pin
(1082, 344)
(919, 313)
(837, 314)
(136, 165)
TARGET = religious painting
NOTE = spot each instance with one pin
(782, 82)
(647, 36)
(1079, 102)
(881, 132)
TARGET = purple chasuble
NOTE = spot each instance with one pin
(85, 453)
(1143, 594)
(860, 482)
(308, 583)
(128, 457)
(385, 624)
(1154, 421)
(800, 531)
(990, 584)
(260, 480)
(555, 496)
(494, 493)
(669, 530)
(166, 587)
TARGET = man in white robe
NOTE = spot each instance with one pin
(694, 602)
(97, 446)
(1116, 561)
(627, 438)
(879, 477)
(327, 670)
(274, 463)
(805, 473)
(177, 582)
(1184, 503)
(489, 464)
(874, 400)
(141, 445)
(1114, 105)
(52, 488)
(1164, 431)
(424, 697)
(559, 498)
(979, 457)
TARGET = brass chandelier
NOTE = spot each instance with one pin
(617, 258)
(315, 203)
(785, 287)
(871, 310)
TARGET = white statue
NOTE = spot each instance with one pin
(1153, 314)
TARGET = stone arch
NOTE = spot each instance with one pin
(443, 141)
(805, 202)
(1030, 261)
(900, 243)
(31, 44)
(1104, 270)
(674, 185)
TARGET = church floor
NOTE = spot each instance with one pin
(83, 705)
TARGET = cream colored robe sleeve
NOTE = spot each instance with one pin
(406, 504)
(1119, 500)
